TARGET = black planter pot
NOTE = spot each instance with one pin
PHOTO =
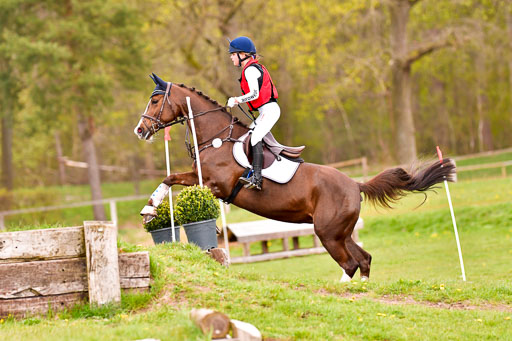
(202, 233)
(165, 235)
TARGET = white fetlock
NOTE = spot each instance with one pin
(364, 279)
(148, 210)
(159, 194)
(345, 278)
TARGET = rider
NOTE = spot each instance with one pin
(260, 93)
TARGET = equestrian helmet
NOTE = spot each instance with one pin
(242, 44)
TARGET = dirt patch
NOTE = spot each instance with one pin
(400, 300)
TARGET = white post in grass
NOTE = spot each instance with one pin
(440, 155)
(167, 138)
(193, 127)
(224, 229)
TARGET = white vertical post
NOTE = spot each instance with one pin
(453, 219)
(2, 222)
(113, 212)
(224, 228)
(102, 262)
(168, 164)
(191, 117)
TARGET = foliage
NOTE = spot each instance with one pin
(330, 61)
(196, 203)
(163, 218)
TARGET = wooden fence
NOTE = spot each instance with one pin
(111, 201)
(57, 268)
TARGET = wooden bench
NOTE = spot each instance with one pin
(265, 230)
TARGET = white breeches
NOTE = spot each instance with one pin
(269, 114)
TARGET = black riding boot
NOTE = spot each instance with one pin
(255, 180)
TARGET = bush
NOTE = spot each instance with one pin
(194, 204)
(162, 220)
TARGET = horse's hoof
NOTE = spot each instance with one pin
(364, 279)
(345, 278)
(147, 218)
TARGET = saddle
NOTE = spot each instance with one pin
(273, 150)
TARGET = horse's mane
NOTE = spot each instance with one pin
(205, 96)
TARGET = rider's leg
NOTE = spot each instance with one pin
(269, 114)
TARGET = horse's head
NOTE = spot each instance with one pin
(160, 112)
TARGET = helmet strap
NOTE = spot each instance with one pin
(240, 60)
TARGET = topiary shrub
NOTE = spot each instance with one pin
(162, 220)
(196, 203)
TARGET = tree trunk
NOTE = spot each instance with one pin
(484, 126)
(62, 167)
(509, 29)
(7, 166)
(93, 171)
(401, 83)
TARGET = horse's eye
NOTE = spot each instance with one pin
(154, 101)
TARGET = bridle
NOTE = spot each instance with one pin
(157, 124)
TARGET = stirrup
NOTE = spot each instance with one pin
(244, 180)
(254, 184)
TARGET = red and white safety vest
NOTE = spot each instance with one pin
(267, 90)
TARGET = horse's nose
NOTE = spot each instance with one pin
(139, 130)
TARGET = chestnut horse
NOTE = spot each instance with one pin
(316, 194)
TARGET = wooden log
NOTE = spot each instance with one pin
(55, 243)
(63, 276)
(30, 287)
(316, 241)
(210, 321)
(278, 255)
(286, 244)
(44, 278)
(295, 241)
(102, 262)
(247, 249)
(134, 270)
(39, 305)
(220, 255)
(244, 331)
(264, 246)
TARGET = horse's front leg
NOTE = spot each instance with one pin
(185, 179)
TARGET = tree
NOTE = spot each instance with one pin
(103, 48)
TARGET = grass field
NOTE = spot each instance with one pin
(415, 292)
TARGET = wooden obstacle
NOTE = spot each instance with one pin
(51, 269)
(265, 230)
(218, 326)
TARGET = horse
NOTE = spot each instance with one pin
(316, 194)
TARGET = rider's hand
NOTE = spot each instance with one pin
(232, 101)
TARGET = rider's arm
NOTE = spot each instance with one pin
(251, 75)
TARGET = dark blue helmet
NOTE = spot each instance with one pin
(242, 44)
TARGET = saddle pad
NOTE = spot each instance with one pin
(280, 171)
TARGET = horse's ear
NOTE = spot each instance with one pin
(159, 81)
(153, 77)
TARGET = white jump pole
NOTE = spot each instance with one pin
(167, 138)
(440, 155)
(224, 228)
(200, 174)
(193, 127)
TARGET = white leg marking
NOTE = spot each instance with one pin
(345, 277)
(159, 194)
(364, 279)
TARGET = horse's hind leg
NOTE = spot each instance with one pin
(363, 258)
(333, 236)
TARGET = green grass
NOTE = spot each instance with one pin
(415, 276)
(304, 307)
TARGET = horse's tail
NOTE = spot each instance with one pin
(392, 184)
